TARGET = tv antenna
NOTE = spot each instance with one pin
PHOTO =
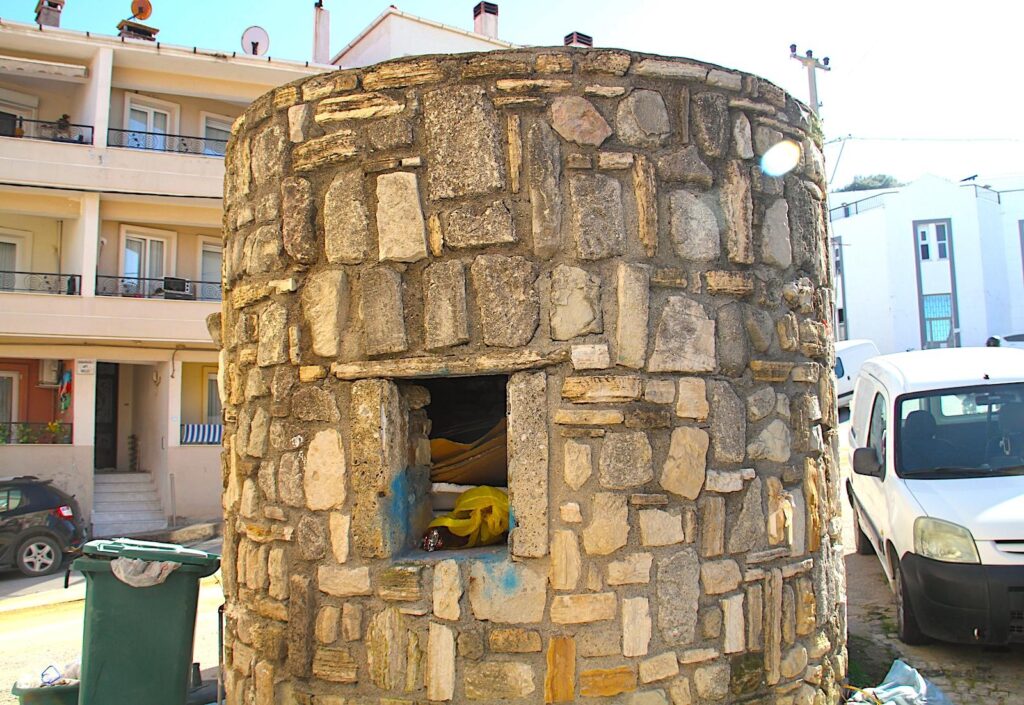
(141, 9)
(255, 40)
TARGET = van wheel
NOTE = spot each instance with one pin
(906, 622)
(861, 539)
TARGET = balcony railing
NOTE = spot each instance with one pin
(55, 131)
(171, 288)
(41, 282)
(161, 142)
(30, 433)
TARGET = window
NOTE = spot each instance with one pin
(876, 432)
(10, 500)
(942, 244)
(8, 405)
(148, 123)
(15, 246)
(145, 258)
(212, 404)
(17, 113)
(938, 319)
(216, 131)
(923, 238)
(210, 258)
(839, 369)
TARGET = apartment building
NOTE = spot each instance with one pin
(930, 264)
(111, 173)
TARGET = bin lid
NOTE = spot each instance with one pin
(149, 551)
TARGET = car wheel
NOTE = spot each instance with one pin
(906, 622)
(39, 555)
(861, 539)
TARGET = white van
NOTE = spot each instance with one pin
(937, 489)
(850, 355)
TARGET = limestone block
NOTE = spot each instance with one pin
(311, 538)
(335, 665)
(575, 303)
(633, 299)
(590, 357)
(329, 150)
(684, 165)
(343, 582)
(760, 404)
(339, 524)
(725, 481)
(277, 573)
(742, 142)
(382, 311)
(570, 513)
(506, 295)
(738, 211)
(440, 662)
(447, 590)
(401, 231)
(659, 667)
(507, 593)
(719, 577)
(263, 250)
(545, 167)
(728, 424)
(588, 417)
(272, 348)
(601, 389)
(314, 404)
(560, 678)
(749, 530)
(356, 106)
(685, 338)
(463, 143)
(346, 220)
(577, 120)
(258, 433)
(659, 391)
(577, 463)
(806, 606)
(528, 463)
(693, 227)
(400, 583)
(578, 609)
(712, 681)
(290, 480)
(685, 466)
(607, 682)
(660, 528)
(678, 592)
(794, 662)
(478, 227)
(636, 626)
(504, 680)
(444, 305)
(625, 459)
(298, 117)
(565, 560)
(297, 220)
(642, 120)
(776, 248)
(709, 123)
(351, 622)
(645, 190)
(679, 690)
(712, 523)
(268, 149)
(731, 340)
(300, 615)
(772, 443)
(635, 569)
(609, 526)
(729, 283)
(386, 649)
(692, 401)
(597, 222)
(514, 641)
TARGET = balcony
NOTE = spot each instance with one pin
(25, 433)
(41, 282)
(168, 288)
(161, 142)
(48, 131)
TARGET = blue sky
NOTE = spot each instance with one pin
(909, 71)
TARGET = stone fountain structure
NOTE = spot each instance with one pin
(593, 228)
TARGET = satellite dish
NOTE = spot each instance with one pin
(255, 40)
(141, 9)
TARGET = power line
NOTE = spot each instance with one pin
(849, 138)
(812, 65)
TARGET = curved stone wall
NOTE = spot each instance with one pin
(594, 225)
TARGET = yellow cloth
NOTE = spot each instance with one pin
(482, 462)
(480, 515)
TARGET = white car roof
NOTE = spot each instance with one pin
(922, 370)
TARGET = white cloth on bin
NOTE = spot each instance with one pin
(139, 573)
(903, 686)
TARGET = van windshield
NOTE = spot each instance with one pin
(962, 432)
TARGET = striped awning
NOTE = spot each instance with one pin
(202, 434)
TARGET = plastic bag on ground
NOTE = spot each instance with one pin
(139, 573)
(903, 685)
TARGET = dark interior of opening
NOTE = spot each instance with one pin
(468, 438)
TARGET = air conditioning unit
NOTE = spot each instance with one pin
(177, 288)
(49, 373)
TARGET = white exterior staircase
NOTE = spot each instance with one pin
(124, 504)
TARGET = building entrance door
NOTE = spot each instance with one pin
(106, 416)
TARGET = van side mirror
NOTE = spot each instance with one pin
(865, 462)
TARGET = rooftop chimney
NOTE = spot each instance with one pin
(136, 30)
(321, 33)
(579, 39)
(485, 19)
(48, 12)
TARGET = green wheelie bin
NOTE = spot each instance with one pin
(137, 641)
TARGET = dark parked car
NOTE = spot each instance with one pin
(38, 525)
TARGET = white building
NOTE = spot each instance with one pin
(930, 264)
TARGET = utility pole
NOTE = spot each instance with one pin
(812, 65)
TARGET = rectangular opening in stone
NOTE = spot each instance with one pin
(468, 432)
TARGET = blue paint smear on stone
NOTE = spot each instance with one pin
(400, 509)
